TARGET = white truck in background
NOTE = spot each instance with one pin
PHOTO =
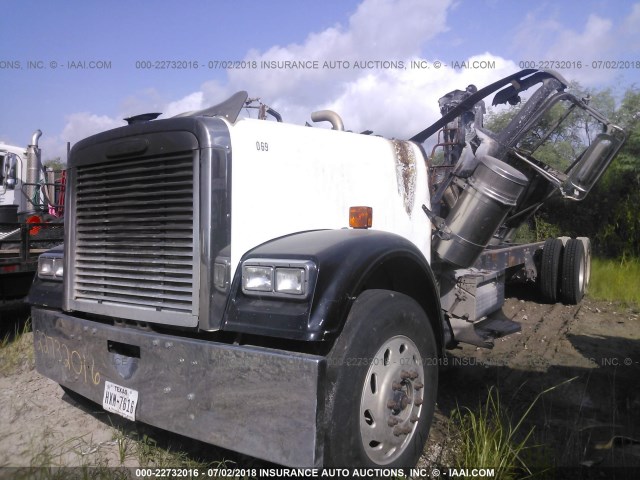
(30, 216)
(287, 291)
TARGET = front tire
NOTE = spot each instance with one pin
(382, 384)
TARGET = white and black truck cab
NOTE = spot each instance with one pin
(287, 291)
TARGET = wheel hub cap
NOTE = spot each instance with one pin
(391, 401)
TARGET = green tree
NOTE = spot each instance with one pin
(55, 164)
(623, 180)
(609, 214)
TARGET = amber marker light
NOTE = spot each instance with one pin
(360, 217)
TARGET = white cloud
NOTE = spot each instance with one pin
(378, 30)
(401, 103)
(599, 39)
(6, 139)
(189, 103)
(390, 30)
(391, 101)
(84, 124)
(80, 125)
(596, 39)
(148, 100)
(77, 127)
(532, 36)
(631, 28)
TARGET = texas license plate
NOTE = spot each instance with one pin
(120, 400)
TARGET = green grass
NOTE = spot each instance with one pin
(488, 437)
(16, 350)
(52, 456)
(81, 458)
(615, 280)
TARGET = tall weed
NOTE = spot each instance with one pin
(489, 438)
(615, 280)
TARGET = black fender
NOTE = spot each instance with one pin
(348, 262)
(46, 293)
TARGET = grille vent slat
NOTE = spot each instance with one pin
(135, 234)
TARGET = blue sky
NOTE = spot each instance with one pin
(69, 104)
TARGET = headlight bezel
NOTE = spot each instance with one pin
(51, 267)
(254, 267)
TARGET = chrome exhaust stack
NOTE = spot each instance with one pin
(34, 166)
(328, 116)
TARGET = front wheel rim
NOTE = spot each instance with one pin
(391, 400)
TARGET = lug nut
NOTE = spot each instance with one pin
(392, 405)
(418, 402)
(393, 421)
(400, 430)
(396, 386)
(418, 385)
(414, 418)
(412, 375)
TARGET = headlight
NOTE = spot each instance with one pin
(290, 280)
(50, 267)
(257, 279)
(278, 278)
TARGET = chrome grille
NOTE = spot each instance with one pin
(134, 237)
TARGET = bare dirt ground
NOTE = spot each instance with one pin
(593, 420)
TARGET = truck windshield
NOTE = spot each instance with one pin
(573, 142)
(561, 135)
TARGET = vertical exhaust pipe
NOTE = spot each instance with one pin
(34, 166)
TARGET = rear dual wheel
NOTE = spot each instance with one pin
(586, 243)
(382, 383)
(575, 268)
(565, 270)
(549, 277)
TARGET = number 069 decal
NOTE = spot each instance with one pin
(262, 146)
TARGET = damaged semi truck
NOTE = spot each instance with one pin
(287, 291)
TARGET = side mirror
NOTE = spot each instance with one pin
(8, 171)
(594, 161)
